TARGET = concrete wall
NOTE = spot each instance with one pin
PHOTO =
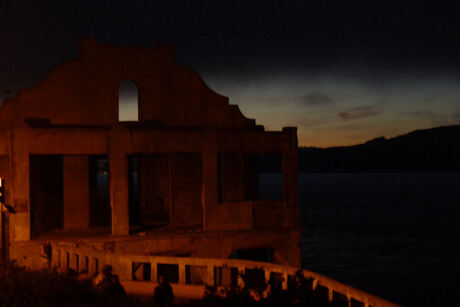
(84, 91)
(186, 178)
(154, 189)
(284, 243)
(73, 113)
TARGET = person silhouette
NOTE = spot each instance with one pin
(109, 283)
(163, 295)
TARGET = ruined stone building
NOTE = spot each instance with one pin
(181, 180)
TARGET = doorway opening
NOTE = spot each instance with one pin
(100, 214)
(46, 194)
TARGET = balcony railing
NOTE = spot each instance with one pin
(197, 272)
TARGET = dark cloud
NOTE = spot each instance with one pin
(316, 98)
(357, 113)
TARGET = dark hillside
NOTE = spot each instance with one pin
(436, 149)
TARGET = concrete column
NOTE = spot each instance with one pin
(210, 275)
(315, 284)
(54, 258)
(153, 271)
(82, 264)
(123, 267)
(331, 294)
(290, 168)
(366, 301)
(5, 177)
(182, 273)
(210, 184)
(240, 277)
(267, 275)
(21, 199)
(284, 285)
(93, 266)
(119, 201)
(73, 262)
(63, 259)
(76, 192)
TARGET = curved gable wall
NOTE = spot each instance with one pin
(84, 91)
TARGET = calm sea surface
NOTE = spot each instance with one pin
(396, 235)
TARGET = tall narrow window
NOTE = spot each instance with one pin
(128, 102)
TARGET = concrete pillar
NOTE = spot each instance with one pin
(210, 184)
(5, 180)
(267, 275)
(182, 273)
(21, 199)
(366, 301)
(119, 199)
(240, 277)
(153, 271)
(83, 263)
(284, 285)
(210, 275)
(73, 262)
(315, 284)
(76, 192)
(54, 258)
(290, 168)
(331, 294)
(63, 259)
(93, 266)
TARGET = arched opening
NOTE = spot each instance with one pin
(128, 102)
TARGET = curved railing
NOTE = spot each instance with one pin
(193, 271)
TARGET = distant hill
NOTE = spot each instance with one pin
(436, 149)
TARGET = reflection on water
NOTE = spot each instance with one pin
(394, 235)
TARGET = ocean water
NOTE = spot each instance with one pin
(395, 235)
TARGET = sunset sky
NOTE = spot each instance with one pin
(343, 72)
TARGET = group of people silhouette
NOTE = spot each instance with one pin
(109, 283)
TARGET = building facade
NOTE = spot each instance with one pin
(181, 180)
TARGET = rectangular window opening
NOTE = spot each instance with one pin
(169, 271)
(270, 177)
(141, 271)
(195, 275)
(249, 177)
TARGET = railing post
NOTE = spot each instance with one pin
(315, 284)
(331, 294)
(73, 261)
(55, 254)
(240, 277)
(210, 280)
(366, 301)
(284, 285)
(181, 273)
(153, 271)
(92, 270)
(82, 264)
(267, 276)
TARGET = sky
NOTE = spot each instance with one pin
(343, 72)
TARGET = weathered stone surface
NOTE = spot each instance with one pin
(204, 179)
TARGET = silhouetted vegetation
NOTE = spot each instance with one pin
(23, 287)
(299, 293)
